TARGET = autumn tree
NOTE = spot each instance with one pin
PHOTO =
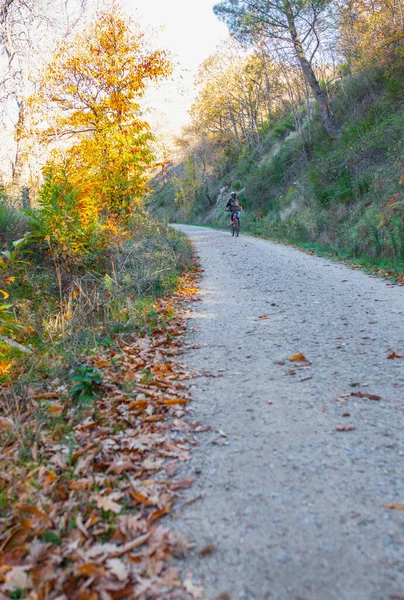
(239, 94)
(28, 32)
(296, 24)
(372, 32)
(91, 89)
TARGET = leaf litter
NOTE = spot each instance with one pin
(83, 513)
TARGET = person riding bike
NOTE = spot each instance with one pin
(234, 207)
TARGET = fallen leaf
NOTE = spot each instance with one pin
(107, 503)
(348, 427)
(89, 569)
(395, 354)
(152, 464)
(297, 357)
(158, 514)
(393, 506)
(6, 423)
(365, 395)
(16, 579)
(118, 568)
(207, 550)
(55, 409)
(170, 401)
(196, 591)
(46, 396)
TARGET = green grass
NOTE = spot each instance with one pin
(387, 268)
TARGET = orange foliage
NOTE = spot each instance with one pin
(89, 94)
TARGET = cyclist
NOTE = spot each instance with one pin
(234, 207)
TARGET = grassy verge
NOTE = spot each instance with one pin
(91, 421)
(59, 314)
(386, 268)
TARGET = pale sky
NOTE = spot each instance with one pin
(191, 32)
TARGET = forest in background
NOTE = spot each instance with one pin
(302, 115)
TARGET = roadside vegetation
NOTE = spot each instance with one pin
(258, 128)
(91, 390)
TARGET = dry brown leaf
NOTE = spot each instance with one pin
(47, 396)
(6, 423)
(348, 427)
(89, 569)
(121, 466)
(170, 401)
(395, 354)
(196, 591)
(107, 503)
(393, 506)
(117, 567)
(55, 409)
(138, 405)
(17, 579)
(158, 514)
(365, 395)
(152, 464)
(207, 550)
(80, 525)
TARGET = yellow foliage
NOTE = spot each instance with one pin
(373, 32)
(89, 94)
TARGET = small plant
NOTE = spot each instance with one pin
(7, 322)
(237, 185)
(18, 593)
(85, 379)
(50, 537)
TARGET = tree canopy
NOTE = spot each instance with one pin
(89, 95)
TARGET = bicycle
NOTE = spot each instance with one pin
(235, 226)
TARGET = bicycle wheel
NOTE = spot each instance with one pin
(237, 228)
(233, 228)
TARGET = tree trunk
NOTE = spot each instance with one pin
(309, 75)
(18, 165)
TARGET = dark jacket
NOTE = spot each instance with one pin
(234, 204)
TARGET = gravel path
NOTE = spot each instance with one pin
(293, 506)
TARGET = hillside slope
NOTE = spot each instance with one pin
(345, 194)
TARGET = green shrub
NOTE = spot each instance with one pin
(283, 127)
(237, 185)
(73, 237)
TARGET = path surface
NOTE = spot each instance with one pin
(294, 507)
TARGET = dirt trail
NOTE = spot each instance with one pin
(293, 506)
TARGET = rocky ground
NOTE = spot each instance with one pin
(300, 478)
